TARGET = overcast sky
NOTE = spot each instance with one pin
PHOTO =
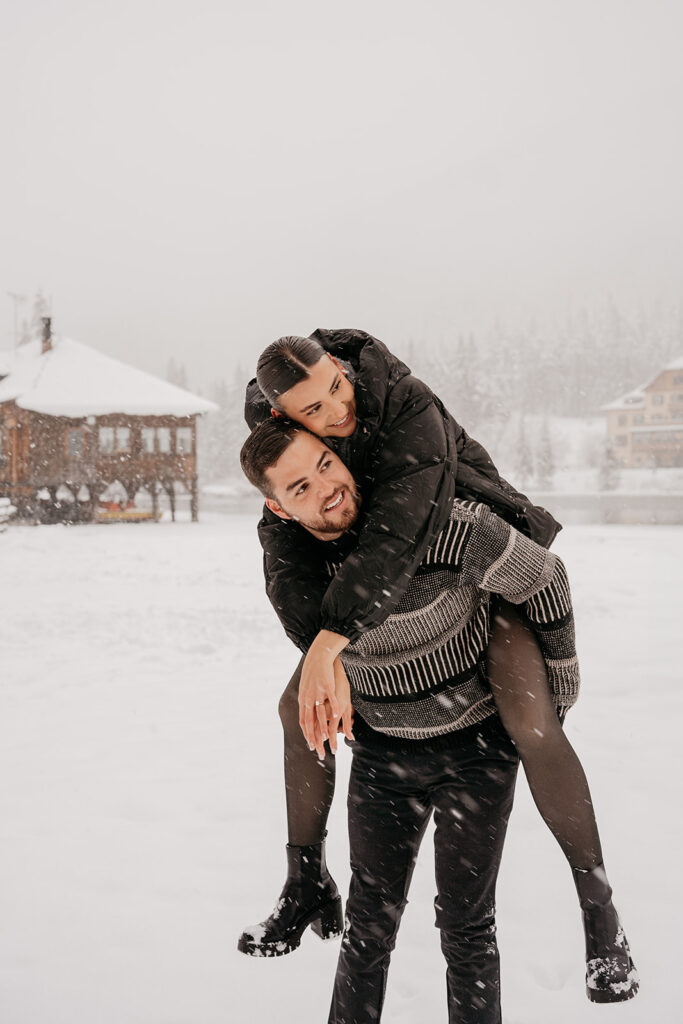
(193, 179)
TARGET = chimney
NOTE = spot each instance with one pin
(47, 334)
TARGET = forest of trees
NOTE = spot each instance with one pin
(571, 370)
(222, 433)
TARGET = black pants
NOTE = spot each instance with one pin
(469, 784)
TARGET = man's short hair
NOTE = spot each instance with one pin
(263, 448)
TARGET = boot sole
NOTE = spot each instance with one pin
(327, 922)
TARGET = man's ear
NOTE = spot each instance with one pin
(275, 414)
(276, 509)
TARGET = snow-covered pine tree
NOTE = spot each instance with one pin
(523, 462)
(608, 470)
(545, 459)
(176, 374)
(223, 433)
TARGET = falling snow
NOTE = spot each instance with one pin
(141, 802)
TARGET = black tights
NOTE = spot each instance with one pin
(519, 682)
(309, 783)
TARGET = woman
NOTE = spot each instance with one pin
(411, 458)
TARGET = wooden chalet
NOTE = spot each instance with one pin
(71, 417)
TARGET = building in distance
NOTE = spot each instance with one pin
(72, 417)
(645, 426)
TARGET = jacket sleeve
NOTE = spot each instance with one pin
(502, 560)
(296, 578)
(408, 493)
(477, 479)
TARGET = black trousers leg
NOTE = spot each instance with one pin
(387, 819)
(471, 812)
(390, 801)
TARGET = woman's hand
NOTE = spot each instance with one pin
(343, 722)
(317, 686)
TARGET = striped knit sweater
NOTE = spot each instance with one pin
(422, 673)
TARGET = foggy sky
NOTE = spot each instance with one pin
(194, 179)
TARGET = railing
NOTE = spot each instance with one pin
(613, 507)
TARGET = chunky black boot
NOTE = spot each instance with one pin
(310, 897)
(611, 976)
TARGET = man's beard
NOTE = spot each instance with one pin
(347, 517)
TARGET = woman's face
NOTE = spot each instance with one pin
(323, 402)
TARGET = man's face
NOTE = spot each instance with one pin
(314, 487)
(323, 402)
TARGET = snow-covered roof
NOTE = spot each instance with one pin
(631, 400)
(675, 364)
(75, 380)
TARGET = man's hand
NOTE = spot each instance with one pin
(343, 722)
(318, 686)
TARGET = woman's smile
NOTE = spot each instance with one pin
(345, 422)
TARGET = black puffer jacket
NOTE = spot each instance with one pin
(411, 459)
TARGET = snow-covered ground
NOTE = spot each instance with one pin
(141, 809)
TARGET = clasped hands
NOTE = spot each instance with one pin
(324, 694)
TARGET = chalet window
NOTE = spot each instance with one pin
(106, 439)
(183, 441)
(638, 418)
(123, 439)
(114, 439)
(74, 444)
(156, 439)
(164, 439)
(658, 399)
(678, 379)
(621, 439)
(623, 420)
(148, 439)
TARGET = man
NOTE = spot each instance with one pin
(426, 736)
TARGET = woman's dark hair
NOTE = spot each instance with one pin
(263, 448)
(284, 363)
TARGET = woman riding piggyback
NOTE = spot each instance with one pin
(411, 459)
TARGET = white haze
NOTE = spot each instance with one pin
(190, 180)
